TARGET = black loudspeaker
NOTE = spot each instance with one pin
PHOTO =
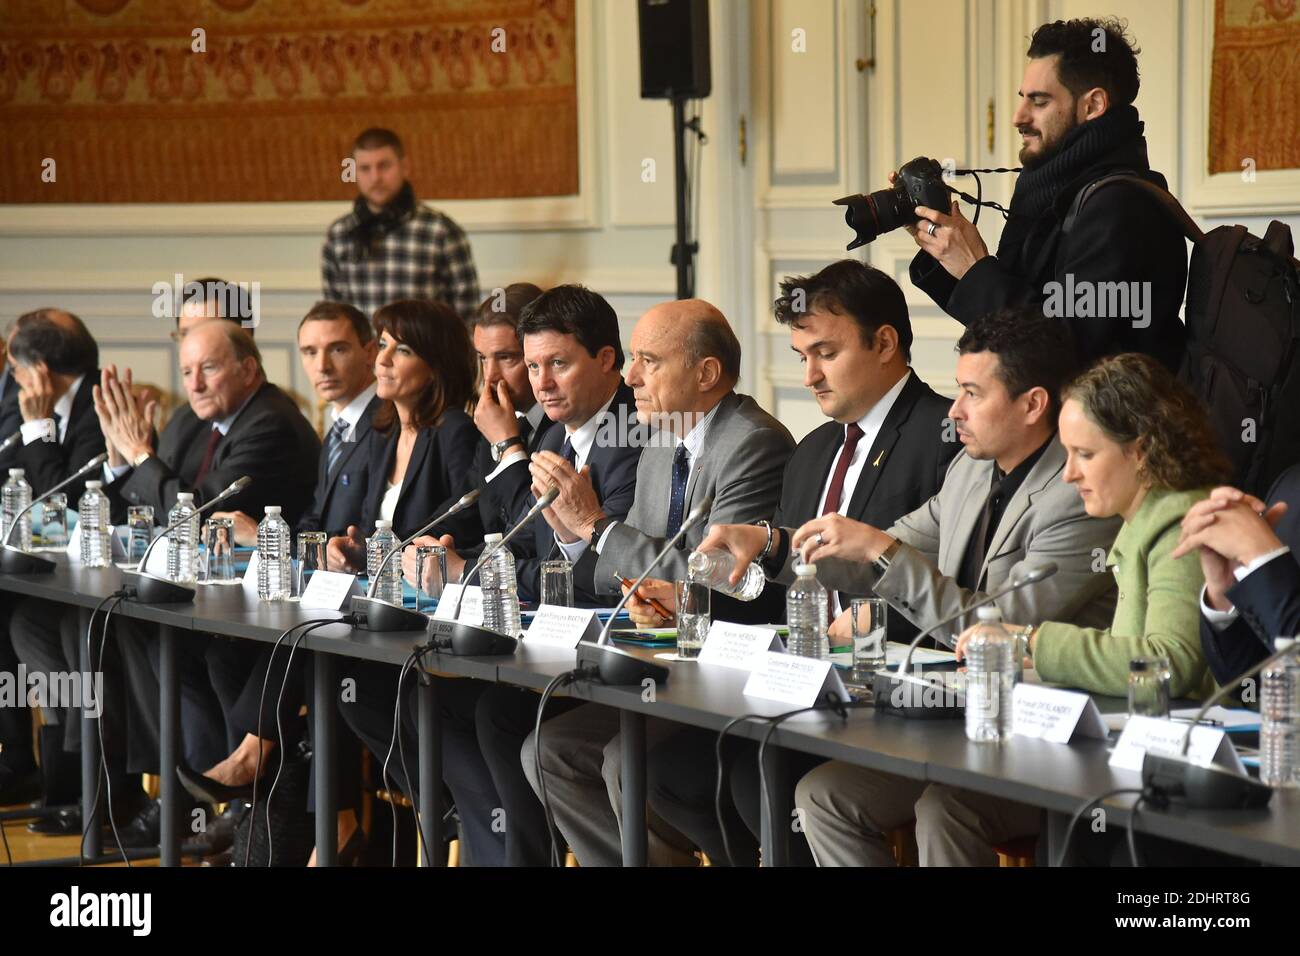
(674, 49)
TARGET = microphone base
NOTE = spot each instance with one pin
(467, 640)
(617, 667)
(373, 614)
(915, 698)
(1202, 788)
(17, 561)
(150, 589)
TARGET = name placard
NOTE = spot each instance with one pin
(793, 680)
(249, 582)
(1208, 745)
(471, 609)
(328, 590)
(555, 626)
(117, 550)
(1050, 713)
(739, 646)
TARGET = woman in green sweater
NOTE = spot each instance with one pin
(1139, 446)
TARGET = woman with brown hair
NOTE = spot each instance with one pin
(424, 373)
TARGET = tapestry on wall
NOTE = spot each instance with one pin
(259, 100)
(1254, 104)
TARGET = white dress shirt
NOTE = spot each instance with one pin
(518, 453)
(352, 412)
(1221, 620)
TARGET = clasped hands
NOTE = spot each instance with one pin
(125, 420)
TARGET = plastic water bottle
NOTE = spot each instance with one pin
(378, 545)
(183, 541)
(805, 613)
(500, 590)
(17, 495)
(714, 569)
(274, 557)
(1279, 724)
(93, 520)
(990, 677)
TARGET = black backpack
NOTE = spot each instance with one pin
(1243, 324)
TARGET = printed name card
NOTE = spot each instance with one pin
(793, 680)
(471, 608)
(1208, 745)
(556, 626)
(1050, 713)
(328, 590)
(118, 551)
(250, 575)
(740, 646)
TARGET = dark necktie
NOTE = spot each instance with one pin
(58, 422)
(570, 455)
(979, 543)
(334, 444)
(677, 497)
(852, 435)
(214, 438)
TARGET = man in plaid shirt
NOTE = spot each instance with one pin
(391, 247)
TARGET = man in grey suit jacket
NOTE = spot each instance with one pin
(685, 364)
(1003, 509)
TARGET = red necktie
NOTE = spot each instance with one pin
(835, 492)
(213, 439)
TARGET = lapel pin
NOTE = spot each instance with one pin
(879, 457)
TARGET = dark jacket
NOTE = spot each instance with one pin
(49, 462)
(341, 497)
(270, 441)
(508, 492)
(443, 453)
(1267, 600)
(1121, 235)
(913, 458)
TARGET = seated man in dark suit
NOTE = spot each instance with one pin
(881, 455)
(239, 424)
(55, 360)
(1252, 581)
(573, 357)
(711, 442)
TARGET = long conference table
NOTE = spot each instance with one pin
(1058, 778)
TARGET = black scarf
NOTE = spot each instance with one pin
(373, 226)
(1083, 147)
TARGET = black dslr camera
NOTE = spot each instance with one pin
(920, 183)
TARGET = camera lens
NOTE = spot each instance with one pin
(870, 215)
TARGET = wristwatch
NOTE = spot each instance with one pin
(499, 448)
(141, 458)
(881, 564)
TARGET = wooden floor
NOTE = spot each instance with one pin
(26, 846)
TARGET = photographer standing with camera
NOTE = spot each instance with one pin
(1117, 277)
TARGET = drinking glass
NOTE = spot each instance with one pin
(54, 521)
(311, 558)
(219, 541)
(430, 575)
(139, 524)
(557, 583)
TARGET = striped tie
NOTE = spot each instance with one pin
(334, 444)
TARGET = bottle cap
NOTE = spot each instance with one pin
(1280, 643)
(272, 509)
(491, 538)
(16, 472)
(94, 485)
(988, 614)
(185, 497)
(801, 569)
(382, 523)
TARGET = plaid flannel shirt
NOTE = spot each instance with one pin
(427, 257)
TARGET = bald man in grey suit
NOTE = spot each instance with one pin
(711, 441)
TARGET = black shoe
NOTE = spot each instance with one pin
(224, 858)
(64, 822)
(220, 834)
(206, 790)
(144, 829)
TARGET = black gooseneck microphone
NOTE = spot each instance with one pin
(903, 693)
(614, 665)
(152, 589)
(14, 560)
(373, 614)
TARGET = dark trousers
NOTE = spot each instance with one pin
(681, 786)
(212, 672)
(503, 717)
(368, 708)
(15, 722)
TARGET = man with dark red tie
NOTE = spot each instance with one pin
(882, 454)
